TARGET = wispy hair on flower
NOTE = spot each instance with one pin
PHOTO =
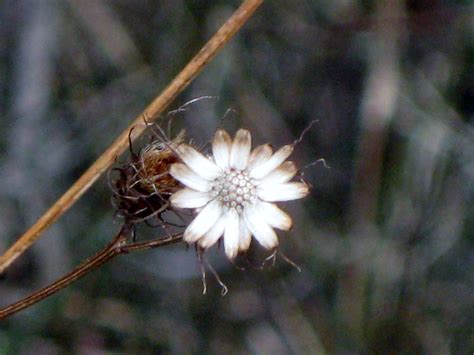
(234, 192)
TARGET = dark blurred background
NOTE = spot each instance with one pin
(385, 241)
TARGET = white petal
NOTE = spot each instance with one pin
(274, 216)
(187, 177)
(231, 234)
(282, 192)
(188, 198)
(198, 163)
(221, 148)
(260, 155)
(259, 171)
(213, 235)
(245, 237)
(284, 173)
(203, 222)
(264, 234)
(240, 151)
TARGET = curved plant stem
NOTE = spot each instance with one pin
(157, 106)
(118, 245)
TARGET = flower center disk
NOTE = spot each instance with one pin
(234, 189)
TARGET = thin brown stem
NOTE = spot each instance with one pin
(151, 244)
(118, 245)
(152, 112)
(109, 251)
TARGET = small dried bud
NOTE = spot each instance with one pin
(144, 185)
(155, 161)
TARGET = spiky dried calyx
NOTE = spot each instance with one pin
(144, 185)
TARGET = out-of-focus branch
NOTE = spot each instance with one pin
(181, 81)
(377, 108)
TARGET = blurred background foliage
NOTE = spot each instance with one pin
(385, 241)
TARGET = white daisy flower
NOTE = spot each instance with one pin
(233, 192)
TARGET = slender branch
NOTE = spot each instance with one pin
(118, 245)
(377, 109)
(157, 106)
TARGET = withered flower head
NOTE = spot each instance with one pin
(144, 185)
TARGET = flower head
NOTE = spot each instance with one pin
(233, 192)
(143, 186)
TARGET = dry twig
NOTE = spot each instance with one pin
(119, 245)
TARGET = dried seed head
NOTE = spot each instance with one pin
(155, 160)
(144, 185)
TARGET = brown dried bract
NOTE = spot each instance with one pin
(144, 185)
